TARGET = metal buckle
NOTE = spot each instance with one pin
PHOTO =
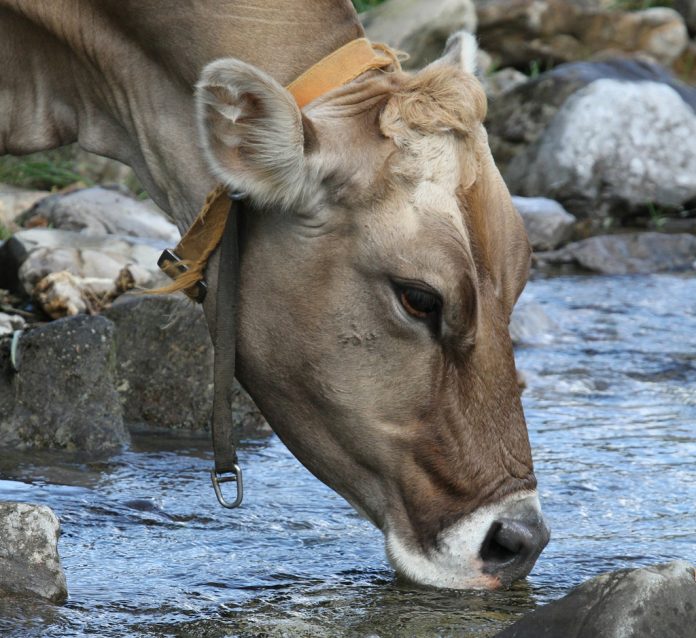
(221, 478)
(168, 258)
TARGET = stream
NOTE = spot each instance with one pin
(611, 410)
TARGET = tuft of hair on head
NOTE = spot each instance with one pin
(439, 99)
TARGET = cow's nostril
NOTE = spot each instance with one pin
(496, 548)
(512, 546)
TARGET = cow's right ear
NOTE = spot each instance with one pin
(253, 133)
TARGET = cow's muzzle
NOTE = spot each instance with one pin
(514, 541)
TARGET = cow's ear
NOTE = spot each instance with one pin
(253, 133)
(460, 52)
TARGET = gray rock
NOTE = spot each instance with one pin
(613, 149)
(101, 211)
(29, 560)
(164, 370)
(518, 119)
(531, 325)
(548, 224)
(419, 28)
(9, 323)
(652, 602)
(521, 32)
(631, 253)
(14, 201)
(63, 395)
(29, 255)
(500, 82)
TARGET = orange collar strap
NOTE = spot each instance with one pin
(339, 68)
(186, 263)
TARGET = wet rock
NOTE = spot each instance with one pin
(652, 602)
(531, 325)
(164, 370)
(613, 149)
(548, 32)
(519, 120)
(631, 253)
(548, 224)
(14, 201)
(101, 211)
(29, 560)
(63, 394)
(9, 323)
(30, 255)
(419, 28)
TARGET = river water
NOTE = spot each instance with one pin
(611, 407)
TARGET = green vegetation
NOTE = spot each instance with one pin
(638, 5)
(42, 171)
(364, 5)
(5, 232)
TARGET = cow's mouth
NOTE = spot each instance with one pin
(490, 548)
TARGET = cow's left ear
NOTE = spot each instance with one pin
(460, 52)
(253, 133)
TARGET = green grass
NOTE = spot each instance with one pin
(5, 232)
(638, 5)
(364, 5)
(38, 174)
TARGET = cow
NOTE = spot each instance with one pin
(380, 253)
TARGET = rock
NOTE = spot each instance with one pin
(61, 294)
(29, 255)
(14, 201)
(63, 394)
(29, 560)
(419, 28)
(164, 370)
(652, 602)
(614, 148)
(548, 224)
(496, 84)
(530, 324)
(632, 253)
(548, 32)
(521, 117)
(687, 8)
(101, 211)
(9, 323)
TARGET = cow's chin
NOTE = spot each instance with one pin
(456, 562)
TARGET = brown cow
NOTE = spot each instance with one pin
(379, 266)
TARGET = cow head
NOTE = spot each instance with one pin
(381, 259)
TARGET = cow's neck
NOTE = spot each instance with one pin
(118, 76)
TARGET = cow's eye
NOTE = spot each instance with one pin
(421, 304)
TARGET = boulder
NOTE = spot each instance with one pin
(500, 82)
(548, 224)
(101, 211)
(59, 392)
(164, 366)
(30, 255)
(651, 602)
(14, 201)
(419, 28)
(612, 150)
(29, 560)
(521, 117)
(631, 253)
(522, 33)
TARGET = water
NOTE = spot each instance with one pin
(611, 407)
